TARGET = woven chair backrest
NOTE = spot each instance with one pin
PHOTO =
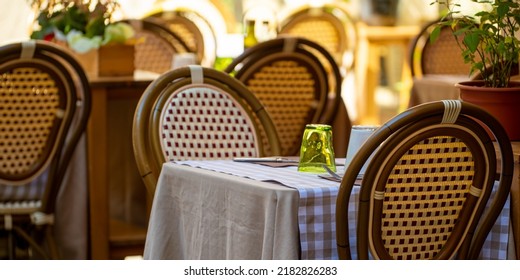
(156, 45)
(45, 104)
(196, 113)
(330, 26)
(425, 191)
(292, 83)
(441, 57)
(203, 122)
(194, 30)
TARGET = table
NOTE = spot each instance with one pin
(112, 168)
(259, 212)
(115, 186)
(434, 88)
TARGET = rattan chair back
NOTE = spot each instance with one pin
(195, 113)
(441, 57)
(45, 105)
(294, 85)
(158, 46)
(329, 25)
(194, 30)
(424, 193)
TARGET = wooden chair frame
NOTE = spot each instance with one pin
(339, 20)
(194, 30)
(34, 223)
(452, 119)
(165, 45)
(146, 141)
(441, 57)
(260, 62)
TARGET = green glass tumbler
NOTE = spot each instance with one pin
(221, 63)
(316, 149)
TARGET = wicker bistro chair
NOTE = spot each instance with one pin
(44, 108)
(424, 193)
(155, 53)
(194, 30)
(289, 78)
(194, 113)
(329, 25)
(441, 57)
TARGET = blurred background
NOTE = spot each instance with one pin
(227, 18)
(376, 71)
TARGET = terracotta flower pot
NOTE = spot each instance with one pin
(502, 103)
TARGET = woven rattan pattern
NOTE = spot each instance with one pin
(44, 108)
(443, 57)
(29, 104)
(329, 25)
(155, 54)
(410, 229)
(185, 35)
(197, 109)
(321, 31)
(183, 27)
(24, 128)
(287, 90)
(193, 30)
(395, 176)
(201, 123)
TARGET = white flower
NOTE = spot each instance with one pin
(59, 35)
(81, 44)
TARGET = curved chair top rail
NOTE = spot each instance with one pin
(190, 80)
(459, 127)
(289, 76)
(46, 65)
(160, 44)
(301, 45)
(194, 30)
(441, 57)
(330, 24)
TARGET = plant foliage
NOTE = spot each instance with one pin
(488, 42)
(84, 24)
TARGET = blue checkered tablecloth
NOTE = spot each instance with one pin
(317, 206)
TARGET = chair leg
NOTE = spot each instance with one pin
(10, 245)
(51, 243)
(32, 242)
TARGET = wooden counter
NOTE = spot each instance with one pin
(371, 39)
(112, 164)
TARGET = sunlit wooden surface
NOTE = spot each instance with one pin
(371, 39)
(100, 175)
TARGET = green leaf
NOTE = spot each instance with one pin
(472, 40)
(434, 35)
(95, 27)
(502, 9)
(74, 18)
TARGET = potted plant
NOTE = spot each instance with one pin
(86, 27)
(488, 43)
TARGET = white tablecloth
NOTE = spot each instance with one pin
(200, 214)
